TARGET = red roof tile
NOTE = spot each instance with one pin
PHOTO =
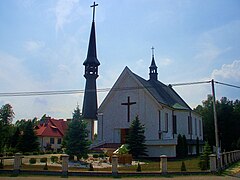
(52, 128)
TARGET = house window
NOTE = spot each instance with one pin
(200, 128)
(159, 120)
(166, 122)
(174, 124)
(59, 141)
(51, 140)
(189, 125)
(195, 126)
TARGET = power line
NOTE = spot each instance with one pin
(68, 92)
(230, 85)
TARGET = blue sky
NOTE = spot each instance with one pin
(44, 43)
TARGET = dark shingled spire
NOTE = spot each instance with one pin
(91, 64)
(153, 75)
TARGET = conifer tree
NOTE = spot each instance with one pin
(76, 138)
(28, 141)
(136, 139)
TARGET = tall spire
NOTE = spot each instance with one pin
(153, 75)
(91, 64)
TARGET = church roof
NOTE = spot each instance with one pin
(163, 94)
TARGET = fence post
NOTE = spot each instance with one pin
(114, 165)
(65, 158)
(163, 164)
(213, 165)
(221, 161)
(17, 163)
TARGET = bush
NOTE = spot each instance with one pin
(41, 153)
(35, 153)
(183, 167)
(1, 164)
(54, 159)
(204, 161)
(9, 153)
(26, 153)
(43, 160)
(95, 156)
(32, 160)
(101, 155)
(1, 155)
(45, 167)
(91, 167)
(48, 152)
(139, 169)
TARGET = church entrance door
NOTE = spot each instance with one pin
(124, 133)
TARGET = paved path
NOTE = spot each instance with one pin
(103, 178)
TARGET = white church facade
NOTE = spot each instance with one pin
(160, 109)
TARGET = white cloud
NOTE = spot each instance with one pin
(63, 12)
(165, 61)
(228, 71)
(32, 46)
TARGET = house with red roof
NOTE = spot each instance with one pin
(50, 133)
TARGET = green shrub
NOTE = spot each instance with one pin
(91, 167)
(48, 152)
(95, 156)
(54, 159)
(32, 160)
(183, 167)
(1, 164)
(204, 160)
(26, 153)
(35, 153)
(139, 169)
(9, 153)
(43, 160)
(1, 155)
(41, 153)
(45, 167)
(101, 155)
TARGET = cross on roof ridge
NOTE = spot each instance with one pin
(93, 6)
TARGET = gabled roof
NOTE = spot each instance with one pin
(52, 128)
(163, 94)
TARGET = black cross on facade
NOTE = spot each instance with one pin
(93, 6)
(128, 104)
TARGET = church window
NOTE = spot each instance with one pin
(59, 141)
(195, 126)
(174, 124)
(166, 122)
(200, 128)
(159, 120)
(189, 125)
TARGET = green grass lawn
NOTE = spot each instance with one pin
(174, 165)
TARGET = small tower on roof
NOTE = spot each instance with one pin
(89, 110)
(153, 75)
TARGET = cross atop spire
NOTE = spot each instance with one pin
(93, 6)
(152, 51)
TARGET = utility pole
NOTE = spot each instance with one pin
(216, 126)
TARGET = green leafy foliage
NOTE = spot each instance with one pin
(136, 139)
(32, 160)
(181, 148)
(139, 169)
(6, 117)
(183, 166)
(28, 141)
(228, 115)
(204, 160)
(76, 138)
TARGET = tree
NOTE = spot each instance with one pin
(204, 161)
(28, 141)
(136, 139)
(6, 117)
(76, 138)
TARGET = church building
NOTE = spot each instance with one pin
(160, 109)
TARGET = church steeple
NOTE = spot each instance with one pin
(91, 64)
(153, 75)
